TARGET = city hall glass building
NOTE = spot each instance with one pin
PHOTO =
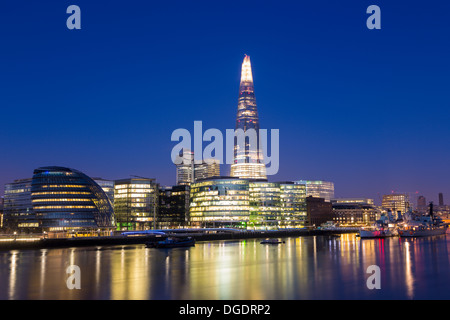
(67, 199)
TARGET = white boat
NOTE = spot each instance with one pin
(422, 226)
(385, 227)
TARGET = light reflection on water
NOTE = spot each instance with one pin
(316, 267)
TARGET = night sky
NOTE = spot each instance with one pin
(366, 109)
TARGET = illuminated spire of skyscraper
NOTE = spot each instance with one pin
(248, 161)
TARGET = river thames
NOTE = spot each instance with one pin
(312, 267)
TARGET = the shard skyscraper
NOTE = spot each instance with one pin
(248, 162)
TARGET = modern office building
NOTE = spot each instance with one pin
(18, 211)
(293, 205)
(135, 203)
(219, 202)
(441, 199)
(318, 189)
(265, 205)
(248, 160)
(65, 199)
(396, 202)
(247, 204)
(173, 209)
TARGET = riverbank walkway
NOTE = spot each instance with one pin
(16, 242)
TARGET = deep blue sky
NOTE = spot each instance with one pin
(366, 109)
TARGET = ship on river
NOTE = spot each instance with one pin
(423, 225)
(384, 227)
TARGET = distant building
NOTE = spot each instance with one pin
(355, 211)
(318, 211)
(318, 189)
(190, 170)
(208, 168)
(135, 203)
(422, 204)
(185, 169)
(18, 211)
(421, 201)
(396, 202)
(352, 201)
(441, 199)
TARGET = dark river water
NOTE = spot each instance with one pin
(315, 267)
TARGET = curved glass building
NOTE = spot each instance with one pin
(67, 199)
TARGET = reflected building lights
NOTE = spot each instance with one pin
(409, 278)
(13, 275)
(43, 270)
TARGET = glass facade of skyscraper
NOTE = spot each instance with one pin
(248, 157)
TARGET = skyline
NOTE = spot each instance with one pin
(362, 108)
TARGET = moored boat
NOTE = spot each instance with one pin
(423, 231)
(172, 242)
(385, 227)
(422, 226)
(271, 241)
(377, 233)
